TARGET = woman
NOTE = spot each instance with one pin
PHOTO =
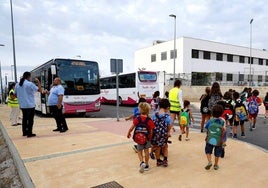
(25, 92)
(205, 112)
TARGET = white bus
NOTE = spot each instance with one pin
(131, 87)
(80, 80)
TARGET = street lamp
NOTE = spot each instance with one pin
(250, 48)
(13, 40)
(2, 96)
(174, 52)
(12, 72)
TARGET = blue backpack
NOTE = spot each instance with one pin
(141, 131)
(253, 106)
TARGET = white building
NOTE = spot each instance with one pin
(201, 62)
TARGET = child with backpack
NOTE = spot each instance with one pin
(143, 129)
(186, 120)
(215, 132)
(253, 109)
(240, 115)
(163, 124)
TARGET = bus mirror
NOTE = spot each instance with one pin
(53, 69)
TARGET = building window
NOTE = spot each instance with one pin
(206, 55)
(259, 78)
(229, 77)
(266, 78)
(172, 54)
(218, 76)
(250, 61)
(229, 57)
(241, 59)
(241, 77)
(195, 54)
(153, 58)
(266, 62)
(219, 56)
(164, 56)
(260, 61)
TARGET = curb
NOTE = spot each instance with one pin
(22, 171)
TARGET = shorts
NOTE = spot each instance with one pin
(237, 123)
(250, 116)
(217, 149)
(175, 112)
(145, 146)
(266, 107)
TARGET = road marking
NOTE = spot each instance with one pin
(32, 159)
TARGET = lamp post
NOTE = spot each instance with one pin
(174, 52)
(12, 72)
(2, 97)
(250, 49)
(13, 40)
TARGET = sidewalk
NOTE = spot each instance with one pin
(96, 151)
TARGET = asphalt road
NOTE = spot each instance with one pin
(258, 137)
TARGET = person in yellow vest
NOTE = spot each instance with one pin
(176, 102)
(14, 104)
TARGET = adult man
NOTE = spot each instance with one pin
(25, 90)
(55, 105)
(175, 99)
(14, 104)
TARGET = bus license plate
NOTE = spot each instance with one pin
(80, 111)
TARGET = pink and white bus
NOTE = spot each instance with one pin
(80, 79)
(131, 87)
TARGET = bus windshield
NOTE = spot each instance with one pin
(147, 76)
(79, 77)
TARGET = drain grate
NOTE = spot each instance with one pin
(112, 184)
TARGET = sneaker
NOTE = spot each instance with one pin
(208, 165)
(254, 127)
(146, 168)
(180, 137)
(235, 136)
(142, 166)
(187, 139)
(31, 135)
(152, 155)
(216, 167)
(250, 127)
(243, 135)
(165, 163)
(159, 163)
(135, 148)
(202, 130)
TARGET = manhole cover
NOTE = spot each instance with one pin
(112, 184)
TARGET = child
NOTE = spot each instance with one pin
(215, 131)
(240, 115)
(253, 109)
(161, 132)
(155, 101)
(136, 113)
(144, 109)
(265, 103)
(186, 119)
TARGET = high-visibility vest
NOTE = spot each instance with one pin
(12, 102)
(173, 99)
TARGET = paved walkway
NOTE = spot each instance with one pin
(96, 151)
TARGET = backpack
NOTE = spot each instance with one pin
(215, 132)
(253, 106)
(213, 101)
(141, 131)
(185, 118)
(240, 112)
(160, 133)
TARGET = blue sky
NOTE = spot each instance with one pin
(104, 29)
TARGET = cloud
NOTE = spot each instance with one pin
(103, 29)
